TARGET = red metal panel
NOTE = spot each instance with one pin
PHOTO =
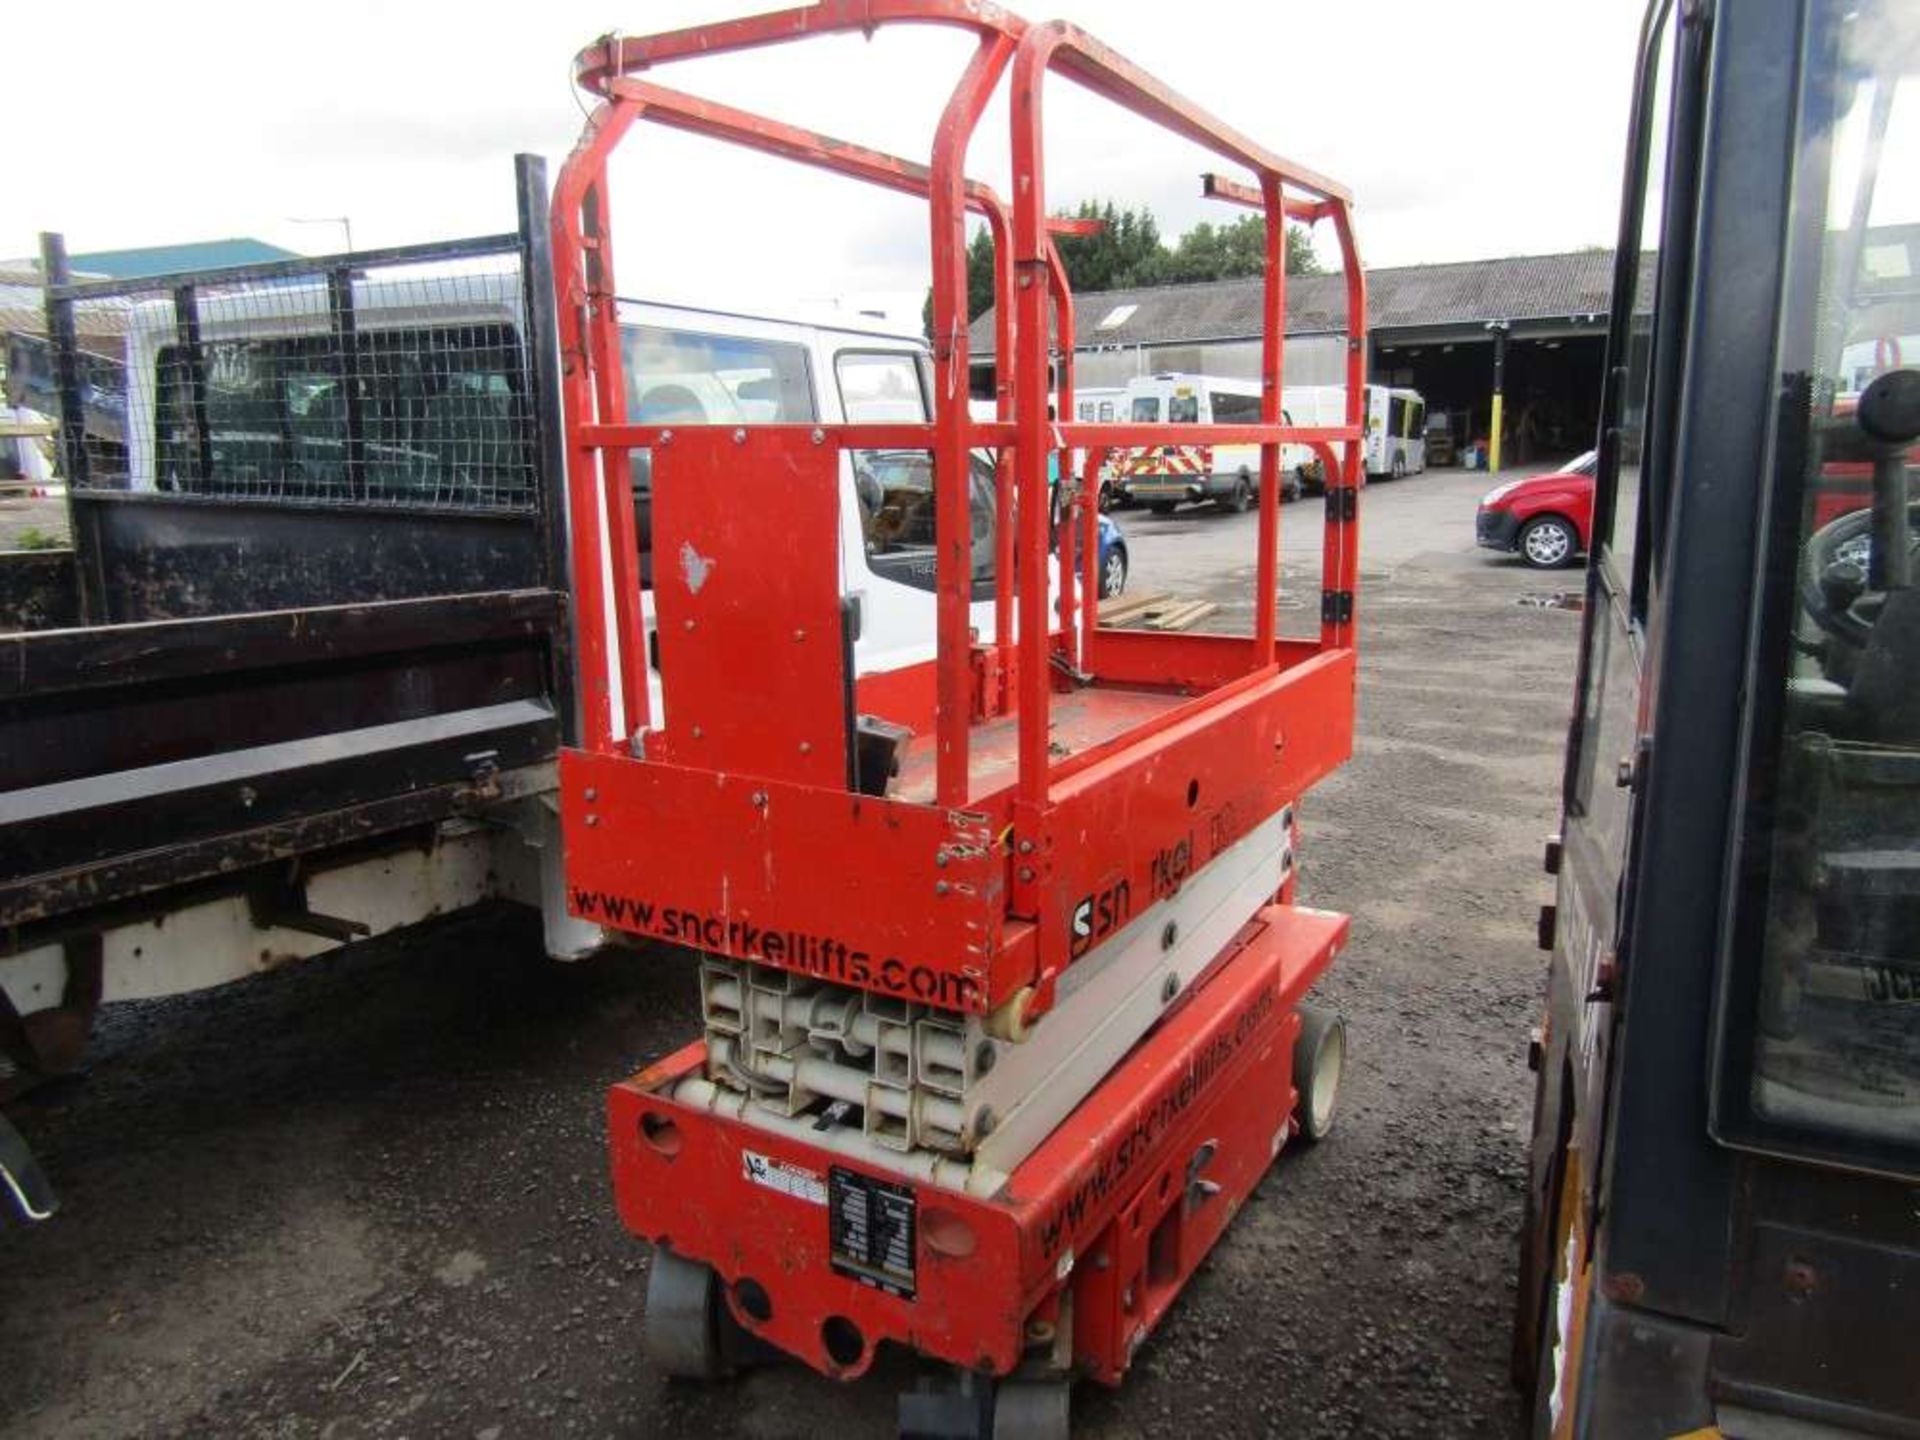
(746, 528)
(1134, 826)
(684, 1177)
(904, 696)
(898, 899)
(1216, 1072)
(1181, 660)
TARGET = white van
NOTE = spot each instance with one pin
(1318, 407)
(1165, 476)
(1100, 404)
(693, 367)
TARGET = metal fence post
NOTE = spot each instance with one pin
(542, 339)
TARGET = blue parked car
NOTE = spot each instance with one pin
(1113, 558)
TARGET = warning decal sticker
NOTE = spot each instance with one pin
(787, 1179)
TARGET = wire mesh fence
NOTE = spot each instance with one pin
(388, 379)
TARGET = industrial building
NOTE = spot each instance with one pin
(1431, 327)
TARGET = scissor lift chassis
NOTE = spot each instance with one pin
(1064, 1270)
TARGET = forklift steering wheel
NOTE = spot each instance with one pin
(1833, 577)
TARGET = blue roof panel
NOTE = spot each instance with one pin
(148, 260)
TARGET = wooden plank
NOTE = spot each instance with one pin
(1183, 617)
(1116, 610)
(1157, 611)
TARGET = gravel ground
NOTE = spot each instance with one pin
(31, 523)
(367, 1195)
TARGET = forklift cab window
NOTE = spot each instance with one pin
(1821, 1013)
(1614, 545)
(1605, 724)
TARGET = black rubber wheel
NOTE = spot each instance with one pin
(1293, 487)
(1032, 1410)
(1547, 542)
(1319, 1062)
(682, 1334)
(1243, 497)
(1107, 498)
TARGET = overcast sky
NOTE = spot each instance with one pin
(1494, 127)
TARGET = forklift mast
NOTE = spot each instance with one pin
(1721, 1233)
(995, 948)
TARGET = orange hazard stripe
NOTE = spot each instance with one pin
(1169, 460)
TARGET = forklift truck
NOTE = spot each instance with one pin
(1002, 982)
(1723, 1218)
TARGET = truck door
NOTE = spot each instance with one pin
(1599, 786)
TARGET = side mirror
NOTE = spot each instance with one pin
(1889, 417)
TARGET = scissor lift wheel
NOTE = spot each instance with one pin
(684, 1318)
(1031, 1410)
(1319, 1061)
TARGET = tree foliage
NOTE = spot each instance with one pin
(1127, 251)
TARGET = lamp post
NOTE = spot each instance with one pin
(1499, 329)
(344, 222)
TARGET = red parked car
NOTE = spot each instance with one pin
(1545, 519)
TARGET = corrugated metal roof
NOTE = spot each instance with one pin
(1469, 292)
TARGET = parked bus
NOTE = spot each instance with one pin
(1396, 432)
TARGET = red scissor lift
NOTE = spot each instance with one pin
(1002, 979)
